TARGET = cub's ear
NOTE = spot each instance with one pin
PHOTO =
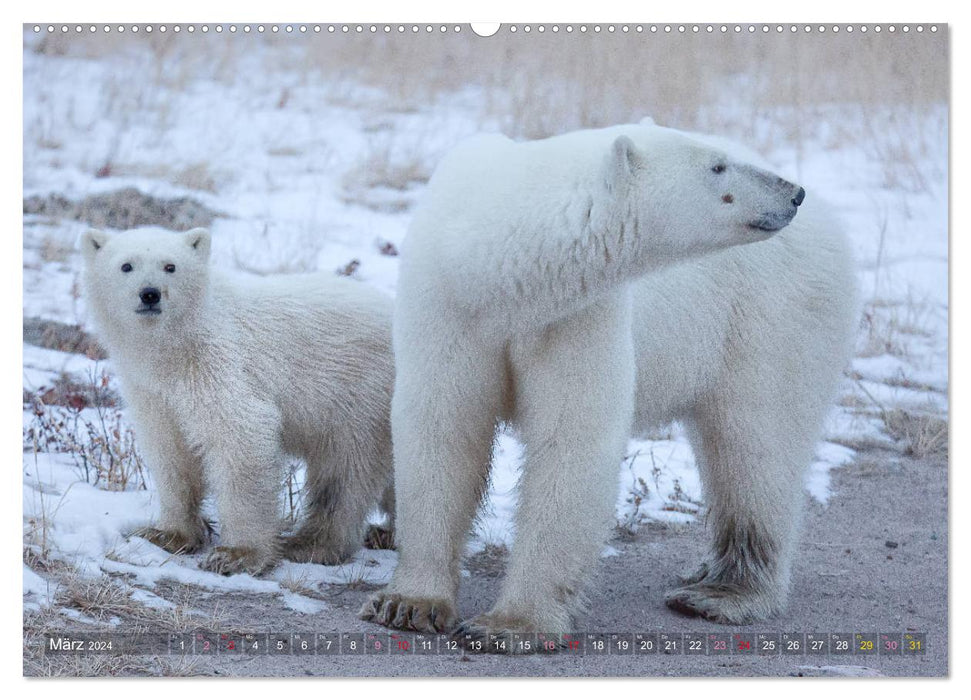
(198, 239)
(624, 159)
(92, 241)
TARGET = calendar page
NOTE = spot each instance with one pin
(519, 349)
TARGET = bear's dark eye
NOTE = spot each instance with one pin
(718, 168)
(170, 268)
(126, 267)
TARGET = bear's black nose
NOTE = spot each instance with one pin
(800, 195)
(150, 296)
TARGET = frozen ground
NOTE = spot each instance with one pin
(298, 175)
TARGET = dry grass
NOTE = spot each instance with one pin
(889, 328)
(70, 391)
(89, 427)
(385, 166)
(357, 575)
(37, 527)
(384, 176)
(63, 337)
(923, 435)
(196, 176)
(299, 584)
(276, 251)
(36, 663)
(293, 491)
(851, 401)
(614, 77)
(766, 88)
(124, 209)
(103, 604)
(920, 432)
(102, 666)
(56, 249)
(98, 599)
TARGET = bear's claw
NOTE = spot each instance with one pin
(724, 604)
(430, 615)
(235, 560)
(309, 549)
(171, 541)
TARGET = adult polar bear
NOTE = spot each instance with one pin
(559, 285)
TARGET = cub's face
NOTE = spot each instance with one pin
(697, 198)
(145, 280)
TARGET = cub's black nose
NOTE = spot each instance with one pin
(150, 296)
(800, 195)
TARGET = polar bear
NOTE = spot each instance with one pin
(584, 288)
(224, 377)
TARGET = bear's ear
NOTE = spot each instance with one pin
(624, 159)
(198, 239)
(92, 241)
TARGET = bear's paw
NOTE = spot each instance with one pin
(170, 540)
(722, 603)
(313, 548)
(237, 560)
(431, 615)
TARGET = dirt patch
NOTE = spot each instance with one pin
(490, 562)
(65, 337)
(124, 209)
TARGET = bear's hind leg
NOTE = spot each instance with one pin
(339, 497)
(751, 460)
(574, 404)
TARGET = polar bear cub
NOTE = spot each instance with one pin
(224, 377)
(583, 288)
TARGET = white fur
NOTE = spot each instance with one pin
(233, 375)
(586, 287)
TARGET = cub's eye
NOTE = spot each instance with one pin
(126, 267)
(718, 168)
(170, 268)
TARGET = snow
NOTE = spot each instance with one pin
(38, 591)
(289, 164)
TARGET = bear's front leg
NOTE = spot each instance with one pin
(244, 463)
(574, 404)
(443, 417)
(177, 473)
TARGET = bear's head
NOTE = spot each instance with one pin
(145, 281)
(693, 197)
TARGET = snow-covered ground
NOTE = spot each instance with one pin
(309, 175)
